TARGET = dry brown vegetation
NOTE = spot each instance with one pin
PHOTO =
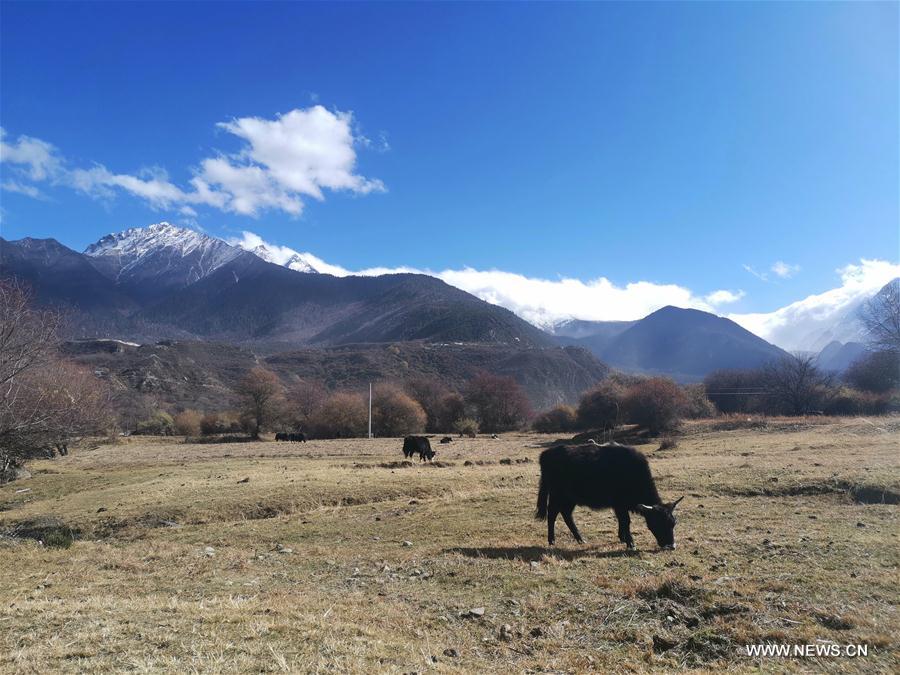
(337, 556)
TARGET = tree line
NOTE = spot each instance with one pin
(488, 404)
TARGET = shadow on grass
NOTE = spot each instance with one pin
(536, 553)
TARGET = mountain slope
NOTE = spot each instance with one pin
(191, 374)
(149, 261)
(837, 356)
(248, 299)
(686, 344)
(61, 278)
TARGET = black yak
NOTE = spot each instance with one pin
(420, 445)
(292, 437)
(446, 439)
(608, 476)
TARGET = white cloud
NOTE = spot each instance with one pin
(251, 241)
(32, 157)
(723, 297)
(304, 151)
(779, 268)
(27, 190)
(817, 319)
(296, 155)
(784, 270)
(540, 301)
(762, 276)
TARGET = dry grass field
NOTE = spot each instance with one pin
(333, 556)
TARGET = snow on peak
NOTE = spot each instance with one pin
(285, 257)
(159, 249)
(138, 241)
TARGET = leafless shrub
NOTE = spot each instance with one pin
(45, 402)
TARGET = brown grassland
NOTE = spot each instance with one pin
(334, 556)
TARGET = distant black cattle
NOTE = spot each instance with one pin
(446, 439)
(608, 476)
(420, 445)
(293, 437)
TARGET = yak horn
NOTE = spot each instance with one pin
(675, 503)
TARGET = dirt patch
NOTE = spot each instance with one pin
(861, 494)
(48, 531)
(404, 464)
(672, 589)
(866, 494)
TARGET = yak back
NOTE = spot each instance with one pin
(413, 444)
(598, 476)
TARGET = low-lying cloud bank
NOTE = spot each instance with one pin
(811, 323)
(545, 302)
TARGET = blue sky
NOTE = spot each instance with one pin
(677, 144)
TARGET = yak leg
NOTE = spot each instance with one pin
(624, 519)
(552, 512)
(567, 516)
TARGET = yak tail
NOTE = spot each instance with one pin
(543, 496)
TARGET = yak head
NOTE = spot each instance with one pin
(661, 522)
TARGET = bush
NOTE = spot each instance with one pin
(220, 423)
(697, 405)
(451, 409)
(396, 414)
(187, 423)
(161, 424)
(736, 391)
(343, 415)
(847, 401)
(556, 420)
(209, 424)
(466, 426)
(499, 402)
(795, 385)
(600, 408)
(877, 372)
(430, 393)
(655, 404)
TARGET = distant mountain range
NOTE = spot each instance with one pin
(166, 282)
(685, 344)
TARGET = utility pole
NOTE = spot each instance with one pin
(370, 410)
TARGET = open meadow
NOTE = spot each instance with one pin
(335, 556)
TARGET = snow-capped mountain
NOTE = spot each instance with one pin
(168, 255)
(164, 256)
(285, 257)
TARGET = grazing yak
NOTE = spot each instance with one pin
(608, 476)
(293, 437)
(420, 445)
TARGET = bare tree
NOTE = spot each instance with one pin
(261, 394)
(499, 401)
(881, 318)
(795, 386)
(303, 400)
(430, 392)
(45, 402)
